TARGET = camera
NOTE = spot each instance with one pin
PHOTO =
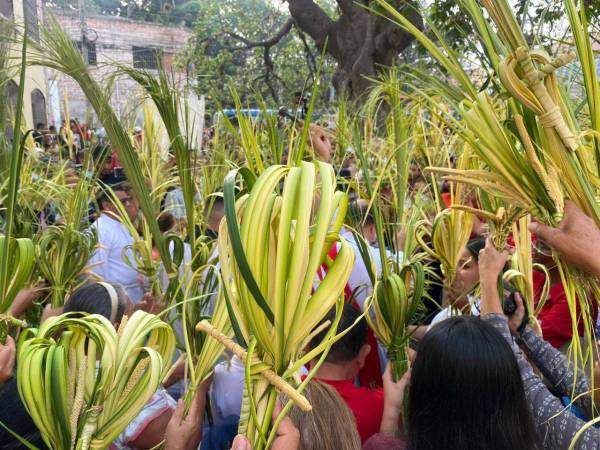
(119, 172)
(509, 304)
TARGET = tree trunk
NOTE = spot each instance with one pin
(360, 42)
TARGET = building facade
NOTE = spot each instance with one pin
(35, 94)
(109, 40)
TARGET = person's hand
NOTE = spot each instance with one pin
(491, 261)
(516, 319)
(177, 372)
(320, 143)
(185, 433)
(150, 304)
(393, 392)
(25, 299)
(400, 239)
(8, 353)
(49, 311)
(288, 436)
(577, 239)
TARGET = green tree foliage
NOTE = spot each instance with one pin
(542, 18)
(177, 12)
(254, 46)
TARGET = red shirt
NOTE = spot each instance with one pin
(555, 317)
(366, 405)
(370, 374)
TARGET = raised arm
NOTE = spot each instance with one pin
(555, 366)
(556, 426)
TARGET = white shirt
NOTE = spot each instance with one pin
(107, 260)
(227, 388)
(359, 280)
(449, 311)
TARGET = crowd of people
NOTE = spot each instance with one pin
(479, 379)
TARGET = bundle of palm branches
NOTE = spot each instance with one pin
(520, 274)
(62, 253)
(64, 248)
(399, 289)
(535, 148)
(450, 230)
(271, 246)
(83, 383)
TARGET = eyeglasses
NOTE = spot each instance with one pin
(542, 248)
(126, 200)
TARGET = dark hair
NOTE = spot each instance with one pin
(359, 214)
(166, 221)
(215, 204)
(466, 391)
(474, 246)
(117, 185)
(348, 347)
(93, 298)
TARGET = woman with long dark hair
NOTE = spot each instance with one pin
(466, 391)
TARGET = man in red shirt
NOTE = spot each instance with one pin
(555, 315)
(340, 370)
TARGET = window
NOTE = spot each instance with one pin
(145, 58)
(38, 107)
(31, 19)
(91, 52)
(6, 9)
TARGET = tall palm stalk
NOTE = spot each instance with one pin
(169, 104)
(16, 255)
(57, 51)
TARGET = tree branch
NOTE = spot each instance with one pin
(346, 6)
(311, 61)
(283, 31)
(315, 22)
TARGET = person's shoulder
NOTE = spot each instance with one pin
(381, 441)
(371, 396)
(373, 393)
(557, 293)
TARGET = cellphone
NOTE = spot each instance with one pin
(119, 172)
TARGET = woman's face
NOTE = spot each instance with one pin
(468, 272)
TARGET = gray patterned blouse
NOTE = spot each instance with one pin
(556, 425)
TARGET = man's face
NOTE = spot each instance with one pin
(414, 170)
(369, 233)
(129, 202)
(107, 168)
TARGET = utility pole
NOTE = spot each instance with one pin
(83, 27)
